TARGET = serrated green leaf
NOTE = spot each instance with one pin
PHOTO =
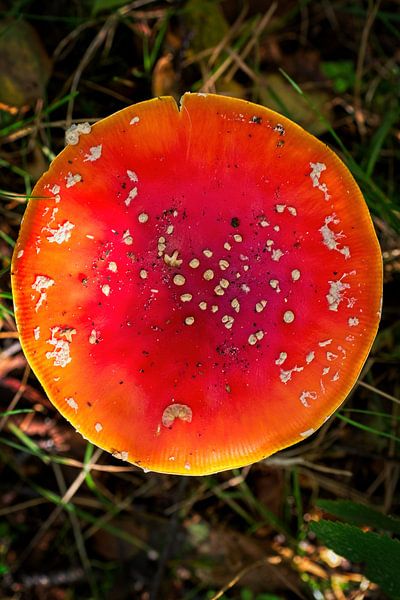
(379, 553)
(359, 514)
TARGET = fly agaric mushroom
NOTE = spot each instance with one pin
(199, 287)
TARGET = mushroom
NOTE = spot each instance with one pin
(200, 286)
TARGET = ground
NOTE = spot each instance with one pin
(79, 523)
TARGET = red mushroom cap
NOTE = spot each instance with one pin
(200, 286)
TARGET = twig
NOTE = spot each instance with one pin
(379, 392)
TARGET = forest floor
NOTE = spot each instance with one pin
(76, 523)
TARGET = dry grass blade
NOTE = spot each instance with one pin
(263, 563)
(67, 497)
(17, 396)
(358, 111)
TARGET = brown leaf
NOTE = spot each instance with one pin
(24, 64)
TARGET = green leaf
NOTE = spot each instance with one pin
(341, 73)
(106, 5)
(359, 514)
(379, 553)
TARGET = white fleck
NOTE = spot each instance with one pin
(219, 290)
(291, 210)
(286, 376)
(127, 238)
(235, 305)
(143, 274)
(179, 279)
(189, 320)
(296, 274)
(143, 218)
(288, 316)
(60, 354)
(261, 305)
(280, 208)
(281, 359)
(55, 189)
(263, 223)
(238, 238)
(106, 289)
(132, 176)
(98, 427)
(134, 120)
(94, 154)
(276, 254)
(315, 175)
(331, 356)
(121, 455)
(336, 293)
(72, 134)
(228, 321)
(279, 128)
(41, 284)
(131, 196)
(227, 246)
(187, 466)
(245, 288)
(208, 253)
(255, 337)
(336, 376)
(305, 396)
(176, 411)
(203, 305)
(72, 179)
(350, 338)
(330, 238)
(36, 333)
(72, 403)
(325, 343)
(170, 229)
(307, 433)
(186, 297)
(112, 266)
(274, 283)
(208, 274)
(194, 263)
(310, 357)
(173, 260)
(325, 370)
(223, 264)
(353, 321)
(277, 228)
(224, 283)
(214, 308)
(61, 234)
(94, 337)
(90, 237)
